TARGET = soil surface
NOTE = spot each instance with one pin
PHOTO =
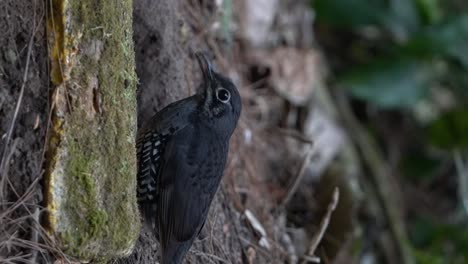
(19, 22)
(167, 72)
(23, 55)
(162, 61)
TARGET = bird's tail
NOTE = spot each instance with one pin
(175, 252)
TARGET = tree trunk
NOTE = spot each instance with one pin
(91, 181)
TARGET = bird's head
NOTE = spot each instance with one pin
(221, 101)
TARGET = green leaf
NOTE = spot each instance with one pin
(430, 10)
(447, 39)
(397, 83)
(427, 257)
(450, 130)
(417, 165)
(350, 13)
(457, 80)
(403, 18)
(431, 240)
(400, 17)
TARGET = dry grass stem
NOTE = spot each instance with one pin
(292, 190)
(323, 227)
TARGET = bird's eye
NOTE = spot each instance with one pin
(223, 95)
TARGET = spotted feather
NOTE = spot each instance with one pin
(149, 149)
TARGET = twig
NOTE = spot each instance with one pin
(4, 160)
(34, 235)
(379, 173)
(299, 176)
(20, 201)
(289, 247)
(209, 257)
(312, 259)
(295, 134)
(462, 172)
(323, 227)
(4, 173)
(261, 250)
(227, 208)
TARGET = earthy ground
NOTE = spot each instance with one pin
(165, 42)
(24, 111)
(277, 188)
(166, 68)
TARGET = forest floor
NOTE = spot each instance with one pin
(272, 206)
(24, 109)
(166, 37)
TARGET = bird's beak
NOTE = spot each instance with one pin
(205, 66)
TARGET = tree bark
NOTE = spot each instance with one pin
(91, 182)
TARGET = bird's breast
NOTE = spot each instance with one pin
(209, 171)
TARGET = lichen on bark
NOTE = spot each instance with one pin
(91, 161)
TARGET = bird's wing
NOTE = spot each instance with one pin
(150, 146)
(149, 150)
(188, 181)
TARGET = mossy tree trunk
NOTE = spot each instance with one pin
(91, 157)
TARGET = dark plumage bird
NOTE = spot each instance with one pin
(182, 153)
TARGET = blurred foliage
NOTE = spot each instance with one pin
(439, 243)
(398, 16)
(450, 130)
(392, 55)
(417, 166)
(448, 39)
(390, 83)
(430, 10)
(420, 36)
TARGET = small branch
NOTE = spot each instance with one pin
(34, 234)
(17, 108)
(299, 176)
(227, 209)
(323, 227)
(462, 171)
(296, 134)
(4, 172)
(380, 174)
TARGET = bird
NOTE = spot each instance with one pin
(181, 156)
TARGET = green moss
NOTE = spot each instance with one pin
(101, 218)
(97, 219)
(87, 214)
